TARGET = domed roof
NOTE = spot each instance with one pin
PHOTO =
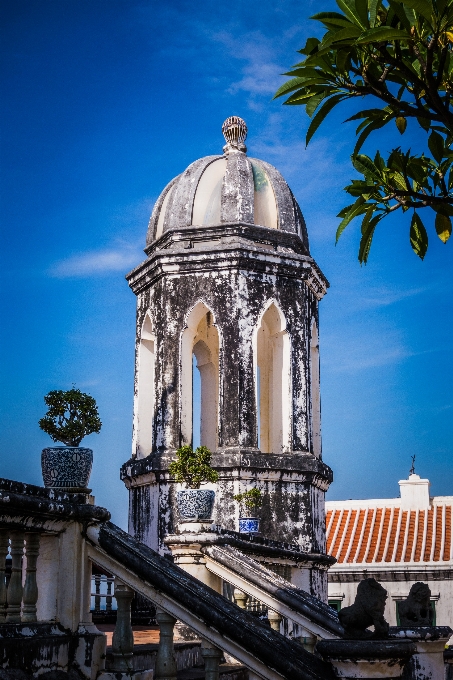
(227, 189)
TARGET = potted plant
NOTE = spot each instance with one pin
(71, 416)
(249, 503)
(193, 468)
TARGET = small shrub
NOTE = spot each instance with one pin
(71, 416)
(193, 468)
(251, 500)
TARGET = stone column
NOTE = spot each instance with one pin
(4, 544)
(211, 656)
(123, 638)
(30, 596)
(15, 589)
(165, 660)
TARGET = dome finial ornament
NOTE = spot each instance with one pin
(234, 130)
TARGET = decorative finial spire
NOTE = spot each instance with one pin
(412, 470)
(235, 132)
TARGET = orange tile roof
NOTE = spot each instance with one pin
(380, 533)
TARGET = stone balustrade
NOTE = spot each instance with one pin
(45, 622)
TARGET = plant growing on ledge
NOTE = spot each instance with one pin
(71, 416)
(193, 468)
(251, 500)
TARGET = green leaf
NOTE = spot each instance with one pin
(443, 227)
(289, 86)
(418, 236)
(423, 122)
(374, 5)
(310, 46)
(365, 165)
(436, 145)
(332, 18)
(375, 125)
(423, 7)
(356, 209)
(322, 113)
(382, 34)
(314, 102)
(367, 237)
(349, 8)
(401, 124)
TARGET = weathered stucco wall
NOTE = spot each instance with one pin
(236, 271)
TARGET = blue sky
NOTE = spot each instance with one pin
(103, 102)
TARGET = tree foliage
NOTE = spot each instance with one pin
(71, 416)
(398, 53)
(193, 468)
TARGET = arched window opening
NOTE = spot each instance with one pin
(273, 383)
(315, 391)
(145, 394)
(200, 379)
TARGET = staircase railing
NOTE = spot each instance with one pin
(54, 538)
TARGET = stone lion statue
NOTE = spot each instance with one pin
(416, 610)
(367, 610)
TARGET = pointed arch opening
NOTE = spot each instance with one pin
(200, 351)
(273, 382)
(315, 391)
(145, 390)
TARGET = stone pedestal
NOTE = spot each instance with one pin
(428, 661)
(371, 659)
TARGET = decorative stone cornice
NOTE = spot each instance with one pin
(242, 248)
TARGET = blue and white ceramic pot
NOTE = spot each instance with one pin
(249, 525)
(66, 467)
(195, 503)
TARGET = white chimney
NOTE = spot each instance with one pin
(414, 493)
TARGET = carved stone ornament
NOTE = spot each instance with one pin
(416, 610)
(234, 130)
(367, 610)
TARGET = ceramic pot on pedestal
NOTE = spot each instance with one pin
(195, 503)
(66, 467)
(249, 525)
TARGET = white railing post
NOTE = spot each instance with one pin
(123, 637)
(15, 589)
(211, 656)
(240, 598)
(274, 620)
(4, 545)
(165, 660)
(30, 595)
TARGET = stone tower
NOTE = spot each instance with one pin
(229, 279)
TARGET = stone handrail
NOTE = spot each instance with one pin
(224, 625)
(254, 579)
(54, 538)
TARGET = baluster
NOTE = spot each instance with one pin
(15, 590)
(240, 598)
(211, 656)
(108, 599)
(123, 637)
(165, 659)
(97, 590)
(30, 596)
(4, 545)
(274, 619)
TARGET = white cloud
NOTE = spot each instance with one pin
(97, 262)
